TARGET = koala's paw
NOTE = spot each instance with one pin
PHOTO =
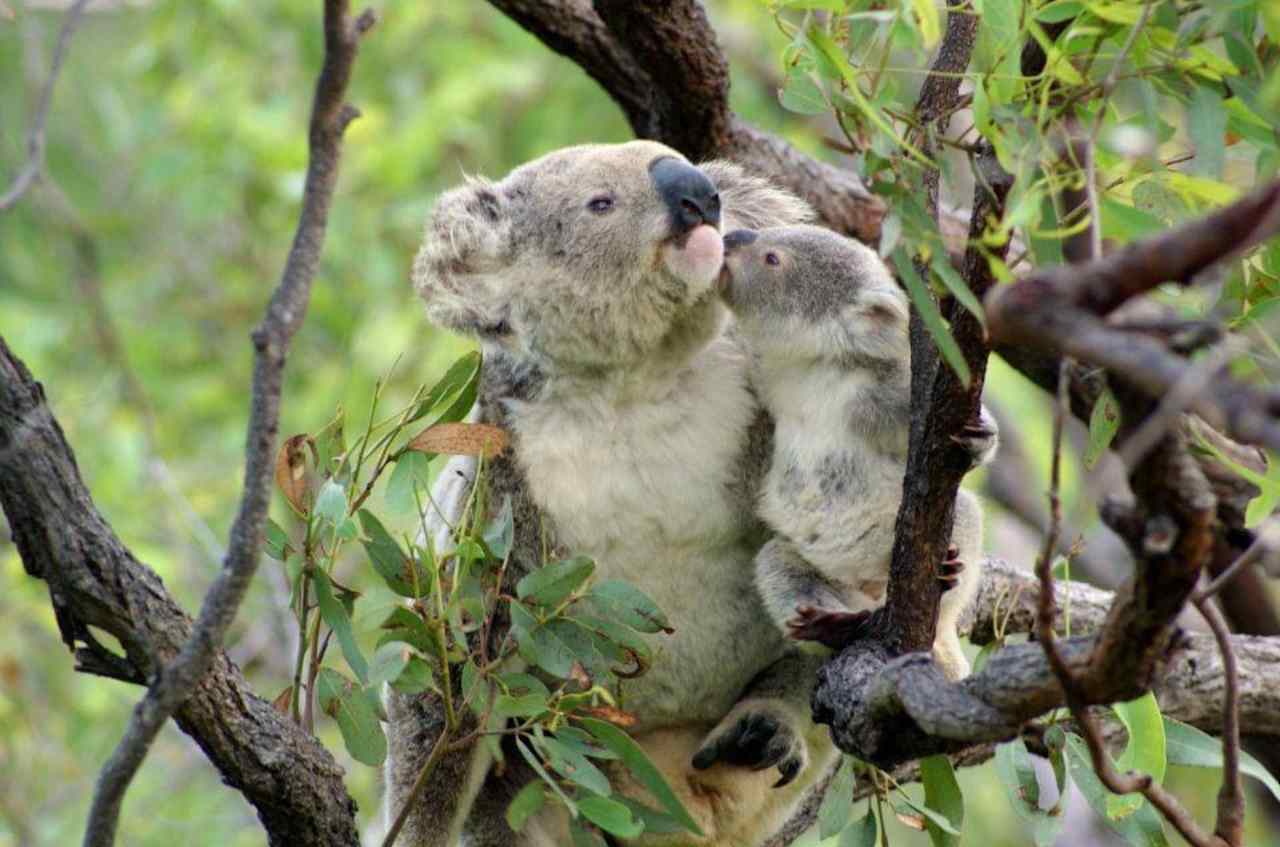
(756, 735)
(834, 629)
(951, 568)
(979, 439)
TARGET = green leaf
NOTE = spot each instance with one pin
(942, 794)
(500, 533)
(644, 771)
(276, 542)
(1013, 766)
(522, 706)
(1061, 10)
(583, 837)
(461, 374)
(411, 473)
(860, 833)
(331, 503)
(544, 646)
(335, 615)
(628, 605)
(1144, 751)
(1206, 126)
(415, 678)
(610, 815)
(345, 702)
(402, 625)
(330, 443)
(1125, 223)
(387, 663)
(959, 289)
(655, 822)
(550, 584)
(929, 21)
(527, 803)
(923, 300)
(1104, 423)
(1142, 828)
(547, 778)
(575, 767)
(1188, 746)
(392, 564)
(801, 93)
(837, 803)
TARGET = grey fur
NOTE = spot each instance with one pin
(827, 328)
(635, 439)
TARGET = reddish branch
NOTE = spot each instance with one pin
(175, 681)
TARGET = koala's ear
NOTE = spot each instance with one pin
(466, 247)
(875, 326)
(750, 202)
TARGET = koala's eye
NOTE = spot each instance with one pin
(772, 259)
(600, 205)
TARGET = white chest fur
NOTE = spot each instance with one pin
(643, 482)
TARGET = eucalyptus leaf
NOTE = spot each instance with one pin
(837, 802)
(336, 617)
(527, 803)
(641, 768)
(927, 307)
(358, 722)
(942, 795)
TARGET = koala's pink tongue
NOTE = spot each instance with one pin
(699, 261)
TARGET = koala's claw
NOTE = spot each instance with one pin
(755, 740)
(950, 569)
(834, 629)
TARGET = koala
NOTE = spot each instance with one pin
(827, 329)
(588, 278)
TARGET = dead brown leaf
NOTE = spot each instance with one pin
(611, 714)
(292, 472)
(282, 701)
(461, 439)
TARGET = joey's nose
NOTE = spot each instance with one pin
(738, 238)
(690, 197)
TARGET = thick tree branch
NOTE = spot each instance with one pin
(31, 169)
(175, 681)
(660, 62)
(94, 581)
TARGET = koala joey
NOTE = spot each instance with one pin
(826, 326)
(588, 278)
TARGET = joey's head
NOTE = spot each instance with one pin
(590, 259)
(803, 294)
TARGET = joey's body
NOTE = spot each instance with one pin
(827, 329)
(588, 278)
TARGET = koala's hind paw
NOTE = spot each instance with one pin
(834, 629)
(979, 439)
(950, 569)
(756, 736)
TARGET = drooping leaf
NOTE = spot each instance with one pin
(547, 779)
(1104, 423)
(331, 503)
(942, 795)
(1143, 828)
(461, 439)
(527, 803)
(1144, 751)
(642, 769)
(924, 303)
(387, 663)
(628, 605)
(574, 766)
(837, 803)
(345, 702)
(1013, 766)
(410, 477)
(860, 833)
(610, 815)
(1187, 745)
(276, 542)
(336, 617)
(929, 816)
(295, 475)
(499, 533)
(396, 568)
(1207, 126)
(800, 93)
(415, 678)
(551, 584)
(402, 625)
(464, 372)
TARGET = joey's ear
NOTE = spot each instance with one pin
(875, 325)
(749, 202)
(885, 306)
(466, 247)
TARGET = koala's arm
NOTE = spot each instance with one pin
(785, 580)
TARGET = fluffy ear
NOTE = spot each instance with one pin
(875, 325)
(750, 202)
(466, 247)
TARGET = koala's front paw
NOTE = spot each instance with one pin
(950, 569)
(834, 629)
(755, 735)
(979, 439)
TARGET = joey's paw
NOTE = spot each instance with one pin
(951, 568)
(834, 629)
(755, 736)
(979, 439)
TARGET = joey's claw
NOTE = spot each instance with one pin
(756, 739)
(834, 629)
(950, 569)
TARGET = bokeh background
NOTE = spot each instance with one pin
(130, 280)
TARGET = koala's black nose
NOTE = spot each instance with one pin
(691, 198)
(739, 238)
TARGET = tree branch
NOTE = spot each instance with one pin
(661, 64)
(175, 681)
(94, 581)
(30, 170)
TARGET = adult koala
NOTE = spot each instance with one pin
(588, 276)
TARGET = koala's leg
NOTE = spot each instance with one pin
(414, 722)
(966, 537)
(755, 767)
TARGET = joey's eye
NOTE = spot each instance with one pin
(600, 205)
(771, 259)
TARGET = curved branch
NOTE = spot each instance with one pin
(94, 581)
(661, 64)
(175, 680)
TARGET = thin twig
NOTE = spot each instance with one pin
(1264, 544)
(1230, 824)
(31, 169)
(1045, 608)
(175, 682)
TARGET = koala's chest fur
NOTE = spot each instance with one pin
(644, 483)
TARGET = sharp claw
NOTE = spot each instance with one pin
(789, 770)
(704, 758)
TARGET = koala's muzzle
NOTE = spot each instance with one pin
(690, 197)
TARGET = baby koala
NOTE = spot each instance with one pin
(826, 326)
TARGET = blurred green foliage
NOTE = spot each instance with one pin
(129, 283)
